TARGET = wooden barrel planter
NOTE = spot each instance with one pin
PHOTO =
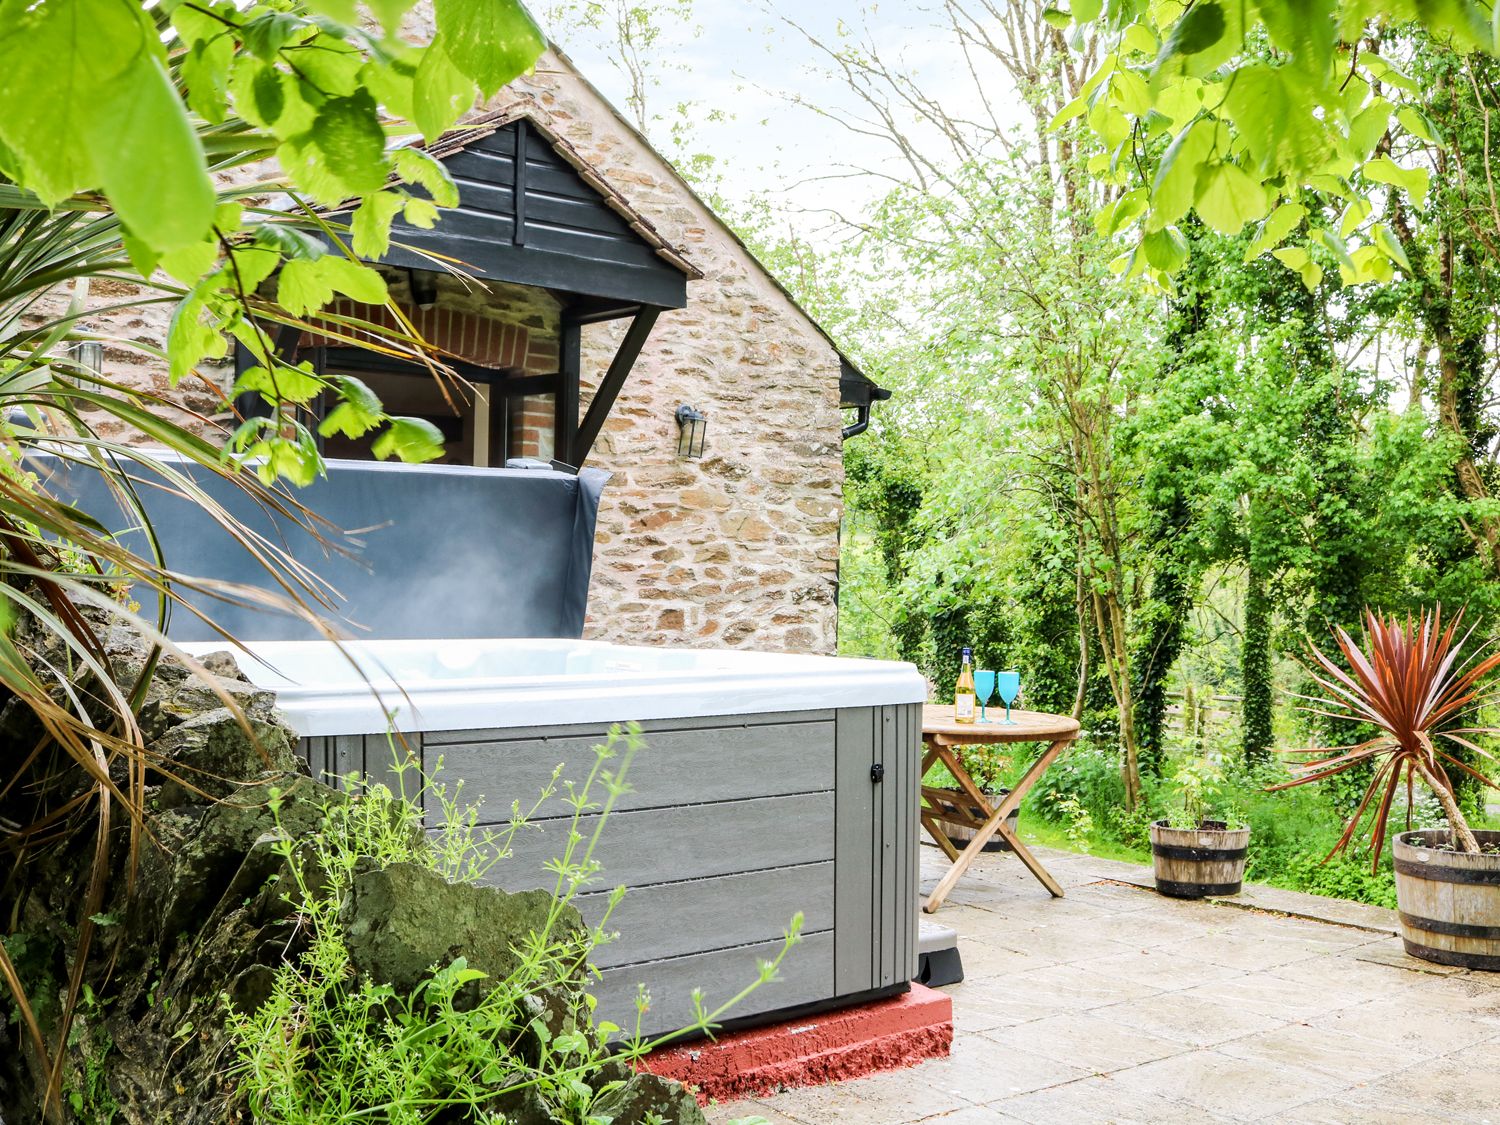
(1449, 901)
(959, 813)
(1195, 862)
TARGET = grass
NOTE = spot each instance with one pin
(1045, 834)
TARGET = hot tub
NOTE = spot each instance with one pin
(769, 784)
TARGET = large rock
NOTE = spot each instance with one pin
(402, 920)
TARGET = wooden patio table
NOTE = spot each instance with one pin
(941, 736)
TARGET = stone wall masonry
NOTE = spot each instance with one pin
(741, 548)
(738, 549)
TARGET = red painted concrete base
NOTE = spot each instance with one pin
(882, 1035)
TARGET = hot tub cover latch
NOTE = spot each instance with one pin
(877, 772)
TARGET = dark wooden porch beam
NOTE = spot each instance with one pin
(565, 401)
(614, 379)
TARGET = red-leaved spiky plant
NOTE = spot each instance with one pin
(1411, 683)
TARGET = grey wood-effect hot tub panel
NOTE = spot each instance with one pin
(733, 824)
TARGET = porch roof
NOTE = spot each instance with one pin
(532, 211)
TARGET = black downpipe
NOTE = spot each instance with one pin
(860, 426)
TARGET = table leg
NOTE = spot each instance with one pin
(943, 840)
(996, 824)
(930, 822)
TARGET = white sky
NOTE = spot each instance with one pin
(748, 66)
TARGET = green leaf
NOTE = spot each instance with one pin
(415, 166)
(343, 154)
(252, 265)
(264, 35)
(441, 93)
(205, 67)
(299, 384)
(268, 98)
(1275, 120)
(344, 11)
(1368, 127)
(1228, 198)
(151, 164)
(1298, 259)
(1330, 185)
(1200, 28)
(410, 439)
(421, 213)
(1417, 123)
(89, 105)
(393, 84)
(332, 69)
(1180, 100)
(1280, 223)
(1166, 250)
(190, 339)
(358, 412)
(1114, 217)
(389, 12)
(1075, 108)
(1305, 30)
(1176, 183)
(371, 224)
(1367, 264)
(1293, 257)
(1137, 39)
(1391, 247)
(1357, 212)
(1109, 124)
(289, 240)
(1131, 92)
(1413, 181)
(191, 262)
(1057, 18)
(307, 285)
(1336, 245)
(1087, 11)
(1381, 70)
(491, 42)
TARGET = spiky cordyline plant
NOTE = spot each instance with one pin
(1413, 684)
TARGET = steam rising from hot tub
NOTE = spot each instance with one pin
(440, 550)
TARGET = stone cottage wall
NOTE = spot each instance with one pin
(741, 548)
(738, 549)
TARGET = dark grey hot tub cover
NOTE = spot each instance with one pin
(435, 550)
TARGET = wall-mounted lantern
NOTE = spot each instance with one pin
(89, 355)
(424, 290)
(692, 428)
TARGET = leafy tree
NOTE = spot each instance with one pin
(1233, 110)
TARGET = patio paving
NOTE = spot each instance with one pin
(1115, 1004)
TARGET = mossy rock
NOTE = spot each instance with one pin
(402, 920)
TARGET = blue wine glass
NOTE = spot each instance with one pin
(984, 687)
(1009, 684)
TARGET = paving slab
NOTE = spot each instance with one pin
(1245, 1089)
(1094, 1043)
(1101, 1099)
(1115, 1004)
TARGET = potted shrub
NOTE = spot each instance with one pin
(1411, 683)
(1199, 848)
(956, 803)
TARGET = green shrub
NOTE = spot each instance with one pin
(330, 1045)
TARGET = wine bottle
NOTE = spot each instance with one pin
(963, 691)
